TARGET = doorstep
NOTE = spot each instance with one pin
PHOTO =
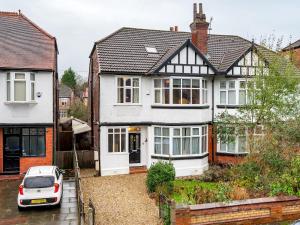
(137, 169)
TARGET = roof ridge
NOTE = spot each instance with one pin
(7, 13)
(36, 26)
(110, 35)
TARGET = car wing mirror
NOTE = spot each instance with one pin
(62, 171)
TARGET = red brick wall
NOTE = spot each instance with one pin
(244, 212)
(1, 150)
(26, 162)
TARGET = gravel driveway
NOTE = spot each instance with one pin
(120, 200)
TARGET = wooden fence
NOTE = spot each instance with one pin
(64, 159)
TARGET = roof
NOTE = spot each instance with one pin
(24, 45)
(124, 50)
(40, 170)
(292, 46)
(64, 91)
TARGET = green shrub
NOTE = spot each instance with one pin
(217, 173)
(158, 174)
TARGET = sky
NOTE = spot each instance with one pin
(77, 24)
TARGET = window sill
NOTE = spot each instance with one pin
(117, 153)
(179, 157)
(230, 106)
(231, 154)
(21, 103)
(33, 156)
(180, 106)
(128, 104)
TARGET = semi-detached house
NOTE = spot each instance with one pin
(155, 95)
(28, 98)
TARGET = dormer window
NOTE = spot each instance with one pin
(20, 87)
(151, 49)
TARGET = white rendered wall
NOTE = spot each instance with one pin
(39, 112)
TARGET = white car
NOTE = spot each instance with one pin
(42, 185)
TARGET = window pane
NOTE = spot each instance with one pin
(186, 131)
(223, 146)
(33, 146)
(166, 83)
(8, 76)
(231, 145)
(32, 77)
(195, 96)
(157, 131)
(25, 146)
(123, 142)
(157, 83)
(33, 131)
(204, 144)
(195, 83)
(242, 97)
(32, 91)
(120, 95)
(176, 96)
(128, 95)
(135, 82)
(186, 146)
(110, 142)
(186, 96)
(128, 82)
(195, 145)
(166, 96)
(20, 91)
(41, 148)
(231, 84)
(165, 146)
(135, 95)
(157, 96)
(117, 143)
(157, 145)
(110, 130)
(176, 132)
(120, 82)
(186, 83)
(195, 131)
(204, 83)
(25, 131)
(8, 90)
(165, 132)
(176, 146)
(222, 84)
(231, 97)
(223, 97)
(176, 83)
(19, 76)
(204, 96)
(242, 144)
(242, 84)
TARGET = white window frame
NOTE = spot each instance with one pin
(236, 89)
(172, 136)
(28, 82)
(236, 143)
(120, 141)
(202, 91)
(128, 87)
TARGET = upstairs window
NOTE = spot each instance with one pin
(233, 92)
(20, 86)
(128, 90)
(180, 91)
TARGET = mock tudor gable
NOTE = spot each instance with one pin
(186, 59)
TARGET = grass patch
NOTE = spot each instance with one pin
(184, 190)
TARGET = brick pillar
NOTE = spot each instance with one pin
(1, 150)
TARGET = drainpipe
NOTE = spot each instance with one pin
(212, 119)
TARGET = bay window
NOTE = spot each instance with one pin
(116, 140)
(233, 92)
(180, 91)
(180, 141)
(128, 90)
(234, 141)
(20, 87)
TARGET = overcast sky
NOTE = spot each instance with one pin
(77, 24)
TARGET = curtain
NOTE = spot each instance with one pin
(20, 91)
(195, 145)
(176, 146)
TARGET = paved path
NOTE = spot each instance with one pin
(9, 214)
(120, 200)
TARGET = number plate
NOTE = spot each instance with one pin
(38, 201)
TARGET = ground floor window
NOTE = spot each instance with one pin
(30, 141)
(116, 140)
(180, 141)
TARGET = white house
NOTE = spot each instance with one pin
(155, 94)
(28, 77)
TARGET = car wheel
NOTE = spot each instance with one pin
(20, 208)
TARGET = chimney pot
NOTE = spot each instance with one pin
(171, 28)
(176, 28)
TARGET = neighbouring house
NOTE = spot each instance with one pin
(28, 96)
(66, 97)
(292, 51)
(85, 96)
(154, 95)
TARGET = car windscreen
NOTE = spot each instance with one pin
(39, 182)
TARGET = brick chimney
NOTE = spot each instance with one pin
(199, 29)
